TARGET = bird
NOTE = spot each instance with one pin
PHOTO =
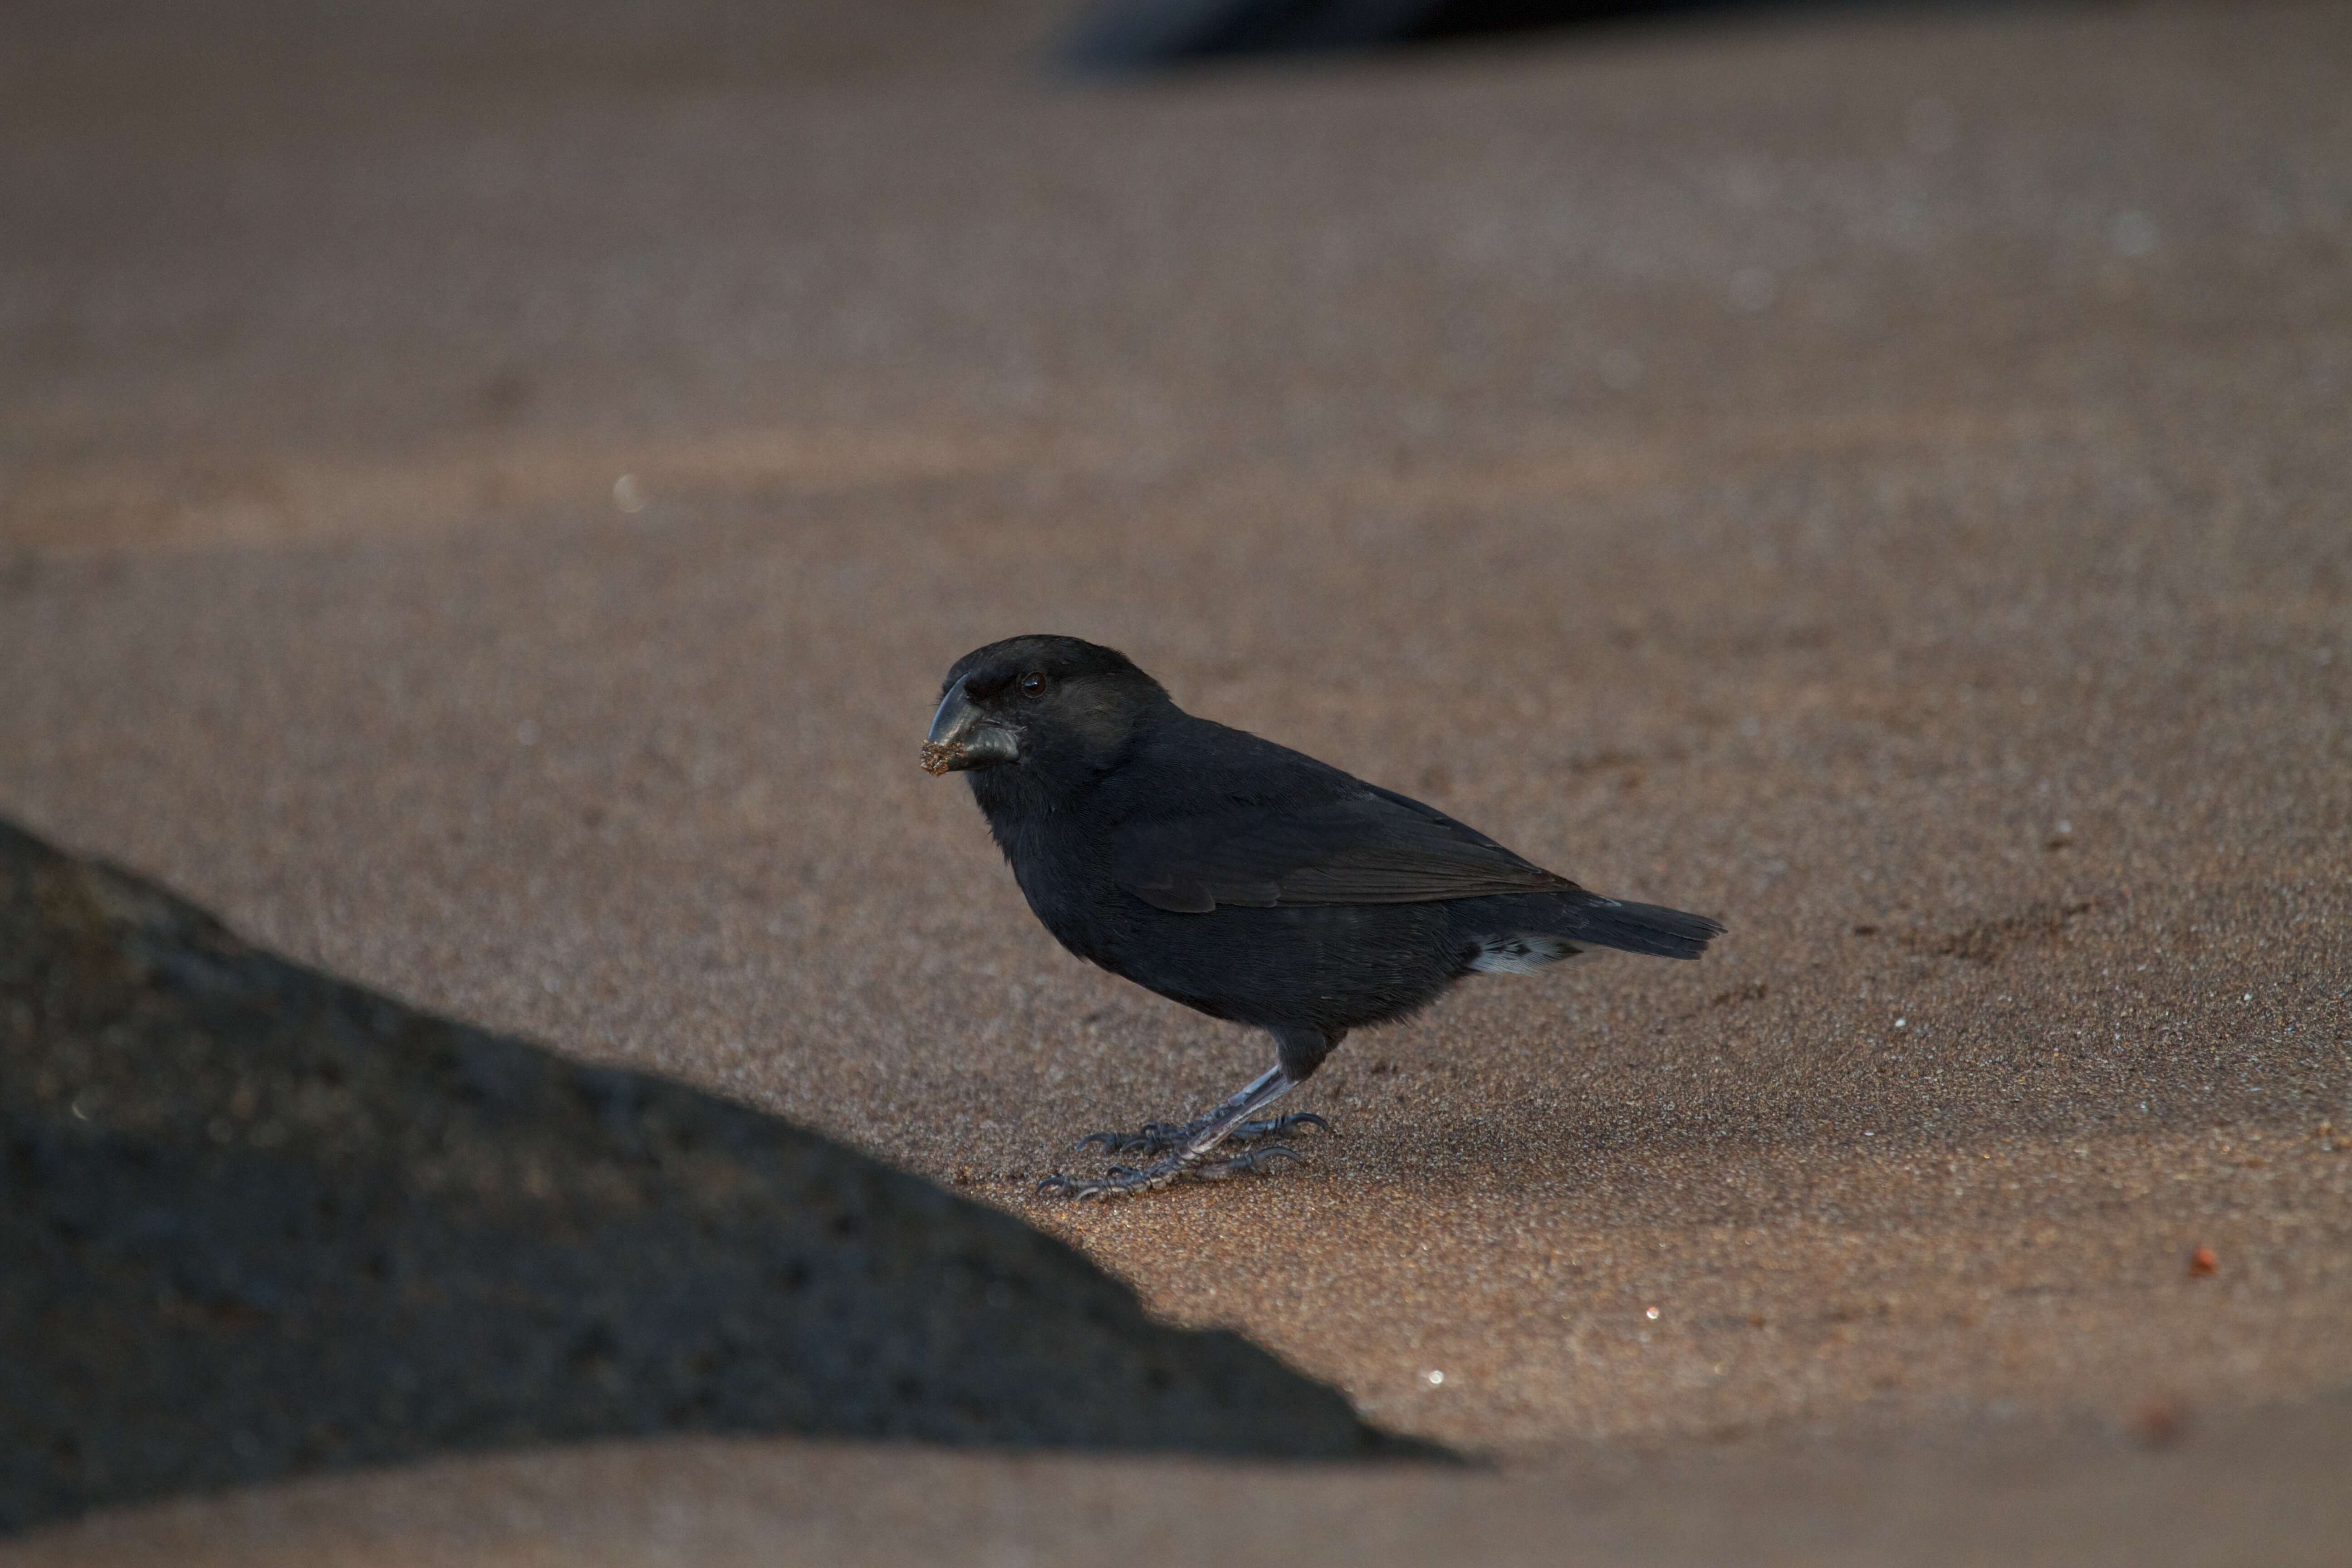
(1244, 879)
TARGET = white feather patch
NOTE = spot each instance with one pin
(1521, 953)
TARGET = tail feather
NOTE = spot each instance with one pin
(1644, 927)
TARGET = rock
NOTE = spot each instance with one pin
(255, 1221)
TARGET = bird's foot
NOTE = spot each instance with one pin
(1277, 1126)
(1159, 1136)
(1125, 1181)
(1152, 1138)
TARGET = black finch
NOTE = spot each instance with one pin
(1243, 879)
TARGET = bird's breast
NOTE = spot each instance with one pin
(1070, 890)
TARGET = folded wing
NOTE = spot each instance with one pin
(1369, 848)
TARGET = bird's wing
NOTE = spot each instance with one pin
(1367, 846)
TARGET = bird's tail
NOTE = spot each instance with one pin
(1643, 928)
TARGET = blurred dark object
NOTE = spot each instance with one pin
(1139, 34)
(254, 1221)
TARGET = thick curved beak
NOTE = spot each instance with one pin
(963, 737)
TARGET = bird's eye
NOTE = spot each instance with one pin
(1033, 684)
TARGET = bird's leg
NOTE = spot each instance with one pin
(1194, 1143)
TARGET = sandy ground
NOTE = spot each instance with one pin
(1882, 481)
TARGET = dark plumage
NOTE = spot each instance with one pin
(1241, 878)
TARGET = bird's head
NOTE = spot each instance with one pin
(1052, 705)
